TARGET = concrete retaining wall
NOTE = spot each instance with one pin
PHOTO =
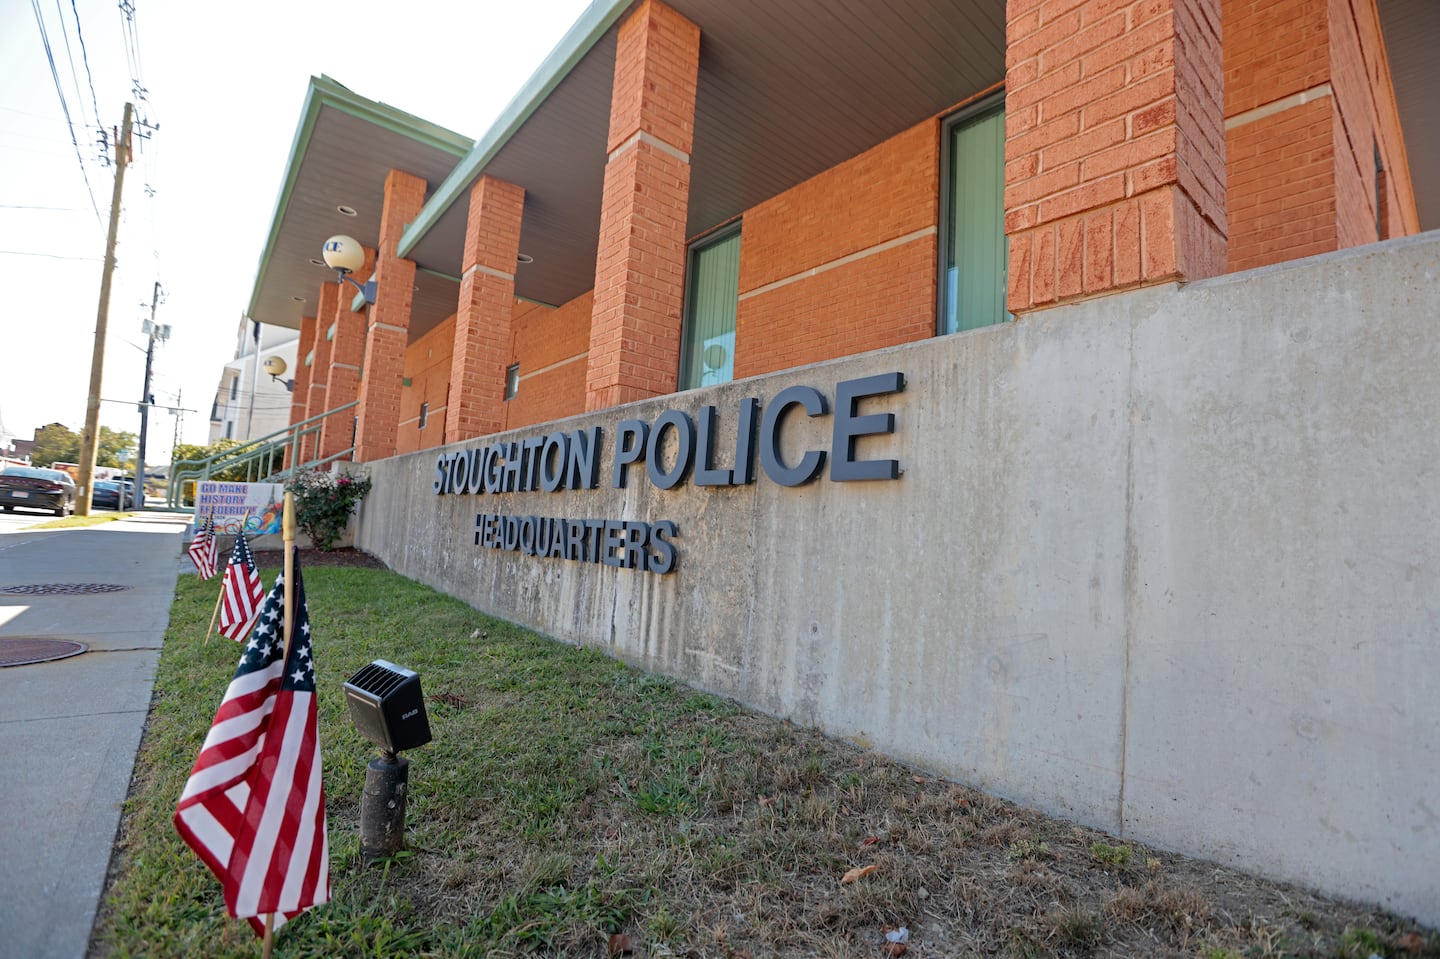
(1166, 562)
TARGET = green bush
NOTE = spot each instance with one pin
(324, 502)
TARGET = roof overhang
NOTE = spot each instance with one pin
(344, 147)
(786, 91)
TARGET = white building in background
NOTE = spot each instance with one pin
(250, 403)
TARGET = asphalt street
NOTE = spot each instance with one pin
(70, 728)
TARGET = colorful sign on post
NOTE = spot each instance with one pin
(254, 507)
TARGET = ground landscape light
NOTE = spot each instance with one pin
(387, 708)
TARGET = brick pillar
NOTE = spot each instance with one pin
(1115, 146)
(320, 367)
(300, 377)
(1306, 121)
(389, 323)
(482, 318)
(640, 267)
(347, 352)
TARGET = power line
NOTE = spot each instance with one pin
(71, 58)
(132, 49)
(60, 92)
(144, 128)
(53, 256)
(84, 55)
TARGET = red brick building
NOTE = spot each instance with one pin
(1155, 526)
(650, 202)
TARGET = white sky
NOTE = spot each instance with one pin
(225, 83)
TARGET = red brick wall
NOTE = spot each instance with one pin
(550, 345)
(879, 298)
(1367, 121)
(347, 349)
(1272, 48)
(1114, 154)
(482, 322)
(427, 367)
(1282, 188)
(300, 393)
(315, 401)
(388, 322)
(1302, 175)
(634, 346)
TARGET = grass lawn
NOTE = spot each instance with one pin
(570, 805)
(94, 519)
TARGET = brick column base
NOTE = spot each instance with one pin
(1115, 146)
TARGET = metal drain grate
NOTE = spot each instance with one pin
(61, 589)
(26, 650)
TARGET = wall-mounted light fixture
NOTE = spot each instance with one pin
(276, 367)
(345, 255)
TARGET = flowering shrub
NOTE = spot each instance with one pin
(324, 502)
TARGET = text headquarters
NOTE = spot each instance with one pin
(560, 461)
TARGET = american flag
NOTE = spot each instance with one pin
(241, 593)
(202, 550)
(254, 807)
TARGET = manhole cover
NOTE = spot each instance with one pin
(61, 589)
(25, 650)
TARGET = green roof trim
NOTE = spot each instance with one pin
(593, 24)
(330, 333)
(325, 92)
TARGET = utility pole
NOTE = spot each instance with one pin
(90, 437)
(162, 333)
(179, 421)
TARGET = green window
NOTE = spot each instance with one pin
(974, 253)
(707, 346)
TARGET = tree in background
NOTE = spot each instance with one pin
(195, 454)
(57, 443)
(111, 443)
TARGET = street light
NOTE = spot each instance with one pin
(345, 255)
(276, 367)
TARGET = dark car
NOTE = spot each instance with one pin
(108, 495)
(37, 488)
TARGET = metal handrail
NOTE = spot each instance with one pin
(257, 453)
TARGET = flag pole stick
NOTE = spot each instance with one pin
(215, 615)
(288, 534)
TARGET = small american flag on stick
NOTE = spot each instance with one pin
(254, 807)
(202, 549)
(241, 593)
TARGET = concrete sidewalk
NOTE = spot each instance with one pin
(70, 728)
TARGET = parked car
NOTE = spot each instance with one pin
(113, 494)
(37, 488)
